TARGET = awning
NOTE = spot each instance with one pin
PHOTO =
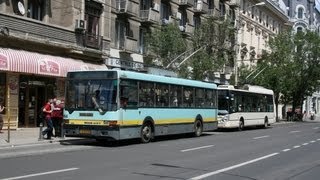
(36, 63)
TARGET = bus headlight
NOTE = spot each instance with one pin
(225, 118)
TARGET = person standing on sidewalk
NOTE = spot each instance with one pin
(47, 111)
(57, 117)
(1, 118)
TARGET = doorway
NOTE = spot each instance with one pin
(33, 93)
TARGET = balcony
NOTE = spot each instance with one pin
(212, 12)
(189, 3)
(234, 3)
(149, 16)
(92, 41)
(128, 45)
(189, 29)
(201, 7)
(127, 7)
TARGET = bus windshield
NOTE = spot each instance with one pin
(223, 101)
(97, 94)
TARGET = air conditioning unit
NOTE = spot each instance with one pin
(80, 24)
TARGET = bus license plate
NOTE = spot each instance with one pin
(85, 131)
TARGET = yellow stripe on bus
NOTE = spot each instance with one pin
(135, 122)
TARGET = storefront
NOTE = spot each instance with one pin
(29, 79)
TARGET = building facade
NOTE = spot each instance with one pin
(257, 21)
(40, 41)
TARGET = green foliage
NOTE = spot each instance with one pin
(292, 67)
(209, 41)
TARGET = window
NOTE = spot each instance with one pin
(188, 97)
(260, 16)
(165, 11)
(146, 94)
(199, 98)
(2, 89)
(184, 18)
(300, 13)
(252, 12)
(145, 4)
(267, 21)
(142, 40)
(196, 21)
(128, 93)
(222, 8)
(211, 4)
(92, 17)
(162, 95)
(122, 30)
(36, 9)
(175, 96)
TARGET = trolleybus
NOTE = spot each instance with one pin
(117, 104)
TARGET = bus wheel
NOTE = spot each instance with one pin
(265, 123)
(198, 128)
(146, 132)
(241, 125)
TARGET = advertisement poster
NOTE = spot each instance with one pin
(13, 84)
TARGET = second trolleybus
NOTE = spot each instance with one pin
(248, 106)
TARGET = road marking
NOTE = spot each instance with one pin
(312, 141)
(28, 145)
(294, 131)
(285, 150)
(260, 137)
(316, 128)
(192, 149)
(305, 144)
(296, 147)
(232, 167)
(318, 139)
(40, 174)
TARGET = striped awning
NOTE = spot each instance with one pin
(36, 63)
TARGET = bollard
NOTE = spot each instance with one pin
(40, 132)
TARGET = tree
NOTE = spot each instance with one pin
(200, 54)
(291, 68)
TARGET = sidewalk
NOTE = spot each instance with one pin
(27, 136)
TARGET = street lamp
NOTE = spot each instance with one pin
(237, 46)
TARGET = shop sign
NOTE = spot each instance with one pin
(125, 64)
(4, 62)
(48, 67)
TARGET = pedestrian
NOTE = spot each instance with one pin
(47, 111)
(1, 118)
(57, 116)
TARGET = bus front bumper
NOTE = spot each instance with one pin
(91, 131)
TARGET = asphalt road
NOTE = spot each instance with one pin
(289, 151)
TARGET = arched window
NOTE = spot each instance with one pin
(300, 13)
(299, 29)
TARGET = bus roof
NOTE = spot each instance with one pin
(156, 78)
(247, 88)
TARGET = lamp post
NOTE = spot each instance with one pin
(237, 46)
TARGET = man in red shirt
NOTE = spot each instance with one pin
(47, 111)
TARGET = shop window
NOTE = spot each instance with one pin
(2, 89)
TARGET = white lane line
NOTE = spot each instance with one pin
(232, 167)
(192, 149)
(312, 141)
(316, 128)
(40, 174)
(318, 139)
(294, 131)
(305, 144)
(260, 137)
(285, 150)
(296, 147)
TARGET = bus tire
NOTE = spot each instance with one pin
(198, 128)
(146, 133)
(265, 125)
(241, 125)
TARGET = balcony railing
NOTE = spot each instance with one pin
(128, 44)
(149, 15)
(93, 41)
(186, 2)
(200, 7)
(127, 7)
